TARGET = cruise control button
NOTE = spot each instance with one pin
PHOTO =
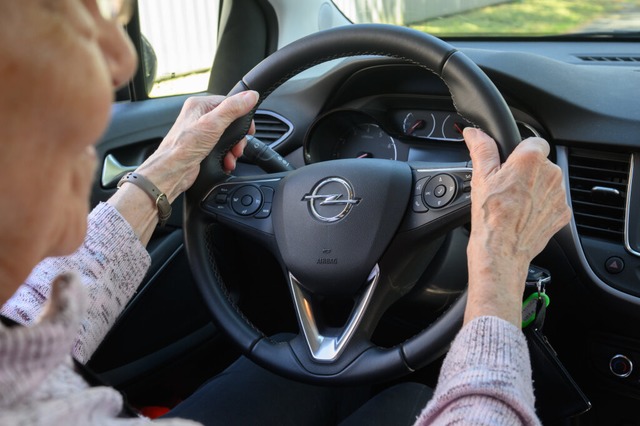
(264, 212)
(221, 198)
(246, 200)
(218, 199)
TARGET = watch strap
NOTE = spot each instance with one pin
(158, 197)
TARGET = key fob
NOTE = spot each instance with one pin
(537, 275)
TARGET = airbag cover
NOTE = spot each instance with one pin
(334, 220)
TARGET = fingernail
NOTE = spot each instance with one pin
(250, 97)
(469, 131)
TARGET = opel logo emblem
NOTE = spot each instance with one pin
(331, 199)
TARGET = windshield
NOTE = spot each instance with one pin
(500, 18)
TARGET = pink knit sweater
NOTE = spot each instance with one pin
(485, 378)
(70, 303)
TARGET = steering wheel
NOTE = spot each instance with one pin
(317, 220)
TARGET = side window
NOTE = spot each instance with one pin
(179, 40)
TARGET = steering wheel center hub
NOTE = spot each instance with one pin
(333, 221)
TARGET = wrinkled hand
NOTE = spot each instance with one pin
(176, 163)
(516, 208)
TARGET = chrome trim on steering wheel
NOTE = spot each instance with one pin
(328, 348)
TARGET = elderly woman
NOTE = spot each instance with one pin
(64, 281)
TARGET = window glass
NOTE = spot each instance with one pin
(498, 18)
(179, 43)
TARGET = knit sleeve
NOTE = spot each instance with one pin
(485, 378)
(111, 264)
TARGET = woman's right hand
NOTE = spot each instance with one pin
(516, 208)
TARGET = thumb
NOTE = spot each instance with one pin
(483, 150)
(233, 107)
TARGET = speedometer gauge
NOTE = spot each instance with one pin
(345, 133)
(366, 140)
(420, 125)
(452, 127)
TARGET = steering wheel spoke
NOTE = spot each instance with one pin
(326, 344)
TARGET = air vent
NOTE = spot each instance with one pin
(619, 59)
(598, 185)
(271, 128)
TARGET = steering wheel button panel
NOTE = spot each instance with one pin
(217, 201)
(443, 195)
(440, 191)
(246, 200)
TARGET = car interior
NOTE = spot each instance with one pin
(380, 110)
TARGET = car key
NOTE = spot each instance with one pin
(536, 276)
(535, 305)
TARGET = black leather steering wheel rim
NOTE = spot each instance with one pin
(476, 99)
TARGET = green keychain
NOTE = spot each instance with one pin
(529, 307)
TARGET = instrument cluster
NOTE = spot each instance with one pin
(400, 134)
